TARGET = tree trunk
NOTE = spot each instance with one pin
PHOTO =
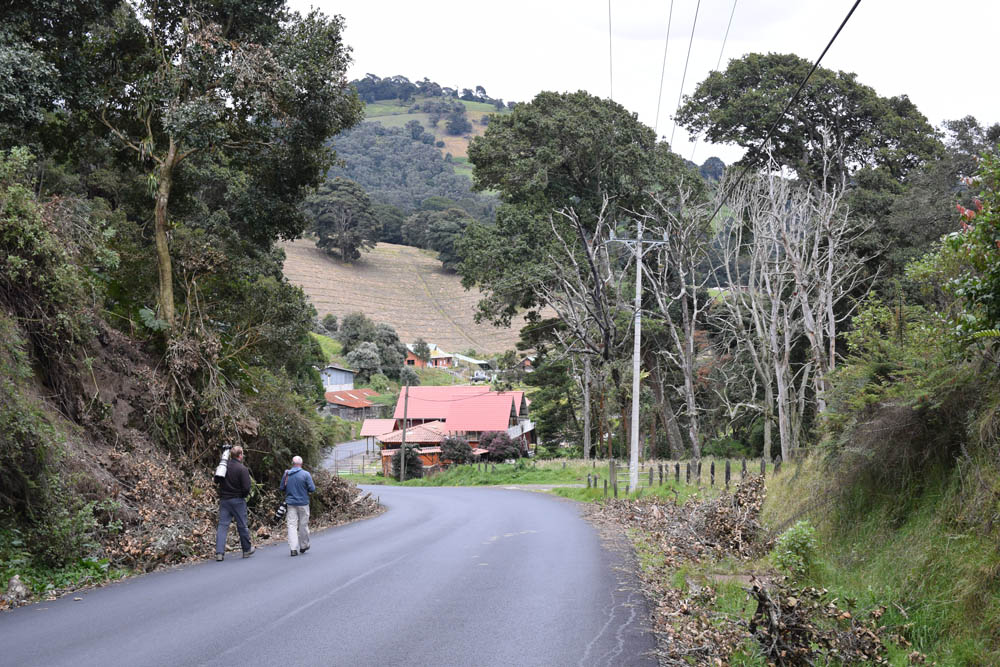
(163, 263)
(674, 439)
(586, 408)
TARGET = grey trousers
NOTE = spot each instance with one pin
(230, 509)
(298, 527)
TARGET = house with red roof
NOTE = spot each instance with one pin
(433, 413)
(352, 404)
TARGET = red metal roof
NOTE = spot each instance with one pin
(485, 412)
(435, 402)
(519, 400)
(351, 398)
(377, 427)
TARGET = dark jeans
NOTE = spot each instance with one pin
(229, 509)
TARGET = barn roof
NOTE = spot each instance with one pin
(351, 398)
(377, 427)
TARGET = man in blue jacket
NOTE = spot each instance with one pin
(297, 485)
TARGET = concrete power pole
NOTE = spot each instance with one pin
(633, 463)
(633, 452)
(402, 443)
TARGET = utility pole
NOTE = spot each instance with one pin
(402, 443)
(633, 451)
(633, 463)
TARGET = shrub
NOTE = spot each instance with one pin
(795, 550)
(499, 445)
(379, 383)
(330, 323)
(408, 377)
(456, 450)
(414, 466)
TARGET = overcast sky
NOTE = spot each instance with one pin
(941, 54)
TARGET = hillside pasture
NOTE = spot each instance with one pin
(395, 114)
(401, 286)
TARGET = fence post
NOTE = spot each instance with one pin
(711, 472)
(588, 480)
(677, 472)
(651, 475)
(743, 472)
(660, 466)
(605, 488)
(763, 467)
(688, 473)
(494, 467)
(727, 474)
(615, 482)
(697, 466)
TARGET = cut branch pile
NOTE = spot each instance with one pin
(804, 626)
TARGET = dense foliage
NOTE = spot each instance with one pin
(171, 145)
(456, 450)
(397, 170)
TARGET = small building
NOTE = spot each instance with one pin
(373, 429)
(527, 364)
(353, 404)
(426, 437)
(439, 358)
(337, 378)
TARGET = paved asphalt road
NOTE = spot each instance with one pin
(447, 576)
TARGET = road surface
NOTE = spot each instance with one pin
(345, 450)
(447, 576)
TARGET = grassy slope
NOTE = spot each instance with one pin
(939, 582)
(401, 286)
(394, 114)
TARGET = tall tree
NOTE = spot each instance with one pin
(738, 106)
(344, 218)
(255, 82)
(445, 229)
(561, 150)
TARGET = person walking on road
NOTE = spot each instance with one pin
(233, 491)
(297, 485)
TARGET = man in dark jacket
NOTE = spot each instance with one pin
(233, 491)
(297, 485)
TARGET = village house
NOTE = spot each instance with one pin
(337, 378)
(353, 404)
(439, 358)
(467, 411)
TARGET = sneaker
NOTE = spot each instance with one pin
(294, 552)
(304, 549)
(218, 557)
(247, 554)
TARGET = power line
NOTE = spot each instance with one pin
(680, 93)
(718, 63)
(777, 120)
(663, 71)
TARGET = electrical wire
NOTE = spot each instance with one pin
(663, 71)
(774, 125)
(687, 60)
(718, 63)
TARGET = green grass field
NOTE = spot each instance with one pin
(332, 349)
